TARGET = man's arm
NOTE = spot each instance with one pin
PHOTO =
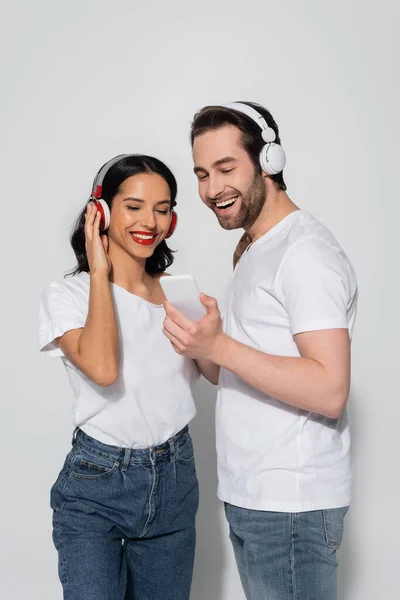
(316, 286)
(317, 381)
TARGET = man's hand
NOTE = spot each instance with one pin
(243, 243)
(194, 339)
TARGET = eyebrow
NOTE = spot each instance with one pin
(132, 198)
(217, 163)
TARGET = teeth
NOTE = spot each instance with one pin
(226, 203)
(143, 237)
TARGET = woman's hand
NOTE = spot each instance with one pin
(96, 245)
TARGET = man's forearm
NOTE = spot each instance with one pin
(298, 381)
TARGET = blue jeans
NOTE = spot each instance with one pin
(286, 556)
(124, 520)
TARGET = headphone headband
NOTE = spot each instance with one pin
(98, 180)
(268, 134)
(97, 188)
(102, 206)
(272, 155)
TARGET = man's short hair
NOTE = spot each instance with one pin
(211, 118)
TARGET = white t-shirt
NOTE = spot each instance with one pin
(272, 456)
(152, 398)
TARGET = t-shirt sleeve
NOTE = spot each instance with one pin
(315, 284)
(59, 312)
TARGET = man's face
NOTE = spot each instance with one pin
(228, 181)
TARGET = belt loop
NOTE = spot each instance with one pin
(172, 449)
(127, 459)
(74, 434)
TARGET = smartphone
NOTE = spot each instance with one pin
(183, 292)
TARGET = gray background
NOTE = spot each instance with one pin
(84, 81)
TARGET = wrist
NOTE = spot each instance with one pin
(98, 275)
(219, 347)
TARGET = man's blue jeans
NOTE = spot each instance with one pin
(124, 520)
(286, 556)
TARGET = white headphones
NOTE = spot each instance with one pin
(272, 155)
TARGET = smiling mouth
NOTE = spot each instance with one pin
(145, 239)
(226, 203)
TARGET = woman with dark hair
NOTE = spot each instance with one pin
(125, 501)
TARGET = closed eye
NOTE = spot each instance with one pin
(226, 170)
(159, 211)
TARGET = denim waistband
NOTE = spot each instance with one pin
(126, 456)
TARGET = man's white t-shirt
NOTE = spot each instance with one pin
(272, 456)
(152, 398)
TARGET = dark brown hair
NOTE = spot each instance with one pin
(124, 168)
(210, 118)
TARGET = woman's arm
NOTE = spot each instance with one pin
(93, 349)
(209, 370)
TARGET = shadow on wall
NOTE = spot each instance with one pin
(210, 556)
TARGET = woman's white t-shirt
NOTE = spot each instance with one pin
(152, 398)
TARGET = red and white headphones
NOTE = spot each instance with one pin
(102, 205)
(272, 155)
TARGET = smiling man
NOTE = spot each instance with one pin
(281, 359)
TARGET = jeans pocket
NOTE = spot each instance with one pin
(334, 524)
(92, 467)
(57, 498)
(184, 450)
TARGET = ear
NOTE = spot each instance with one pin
(267, 178)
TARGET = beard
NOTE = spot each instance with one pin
(252, 202)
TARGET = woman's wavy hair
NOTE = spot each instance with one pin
(130, 165)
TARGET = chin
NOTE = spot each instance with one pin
(231, 223)
(140, 253)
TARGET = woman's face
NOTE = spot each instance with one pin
(140, 214)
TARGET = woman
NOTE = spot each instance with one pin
(125, 502)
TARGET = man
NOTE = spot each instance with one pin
(281, 359)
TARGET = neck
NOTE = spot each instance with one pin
(277, 206)
(126, 271)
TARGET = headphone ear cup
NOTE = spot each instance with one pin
(174, 223)
(104, 210)
(272, 159)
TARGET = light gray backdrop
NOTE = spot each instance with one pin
(84, 81)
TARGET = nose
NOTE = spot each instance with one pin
(149, 220)
(215, 186)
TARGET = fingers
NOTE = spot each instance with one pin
(174, 341)
(209, 302)
(104, 241)
(92, 221)
(173, 329)
(181, 320)
(89, 218)
(96, 223)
